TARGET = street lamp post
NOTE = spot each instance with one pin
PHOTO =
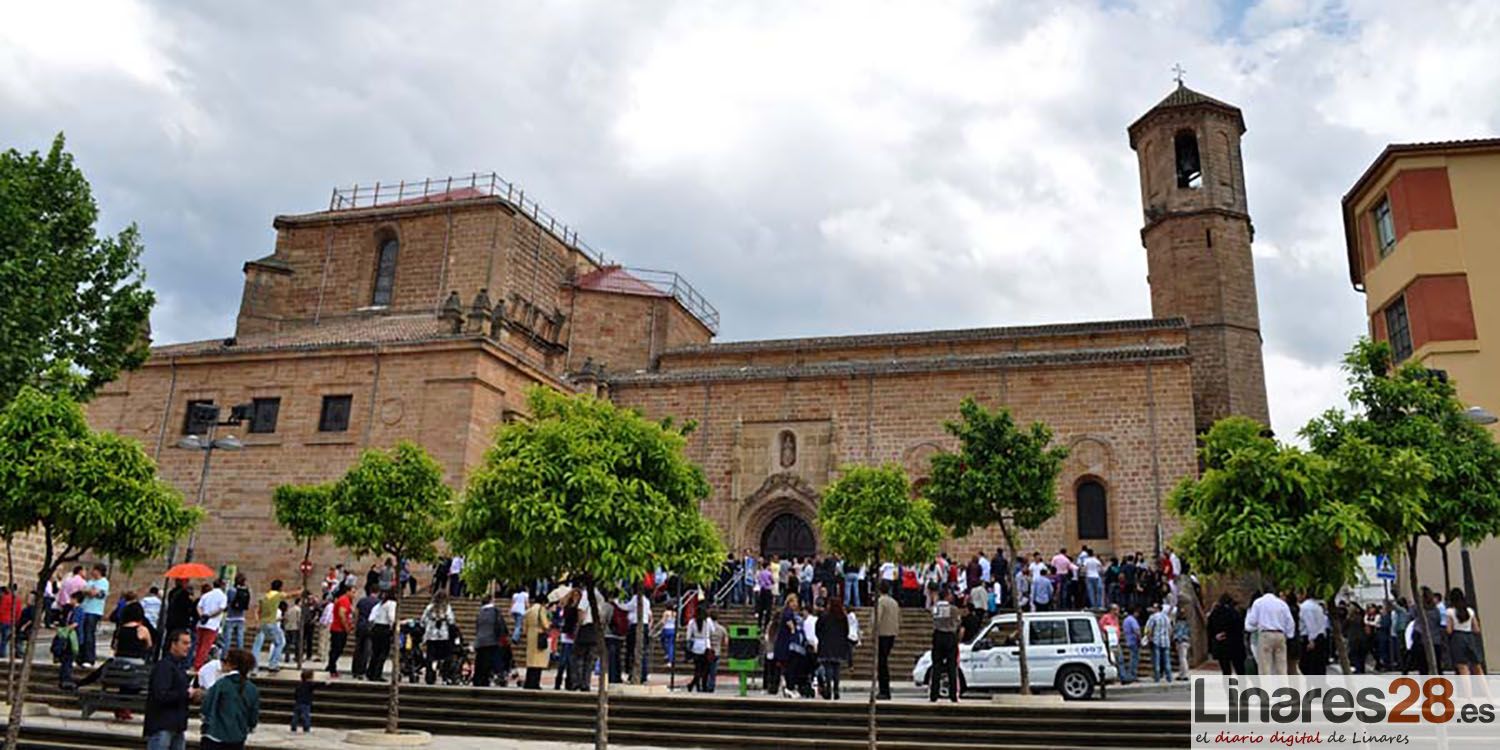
(1477, 415)
(209, 416)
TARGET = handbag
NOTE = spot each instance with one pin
(542, 642)
(710, 656)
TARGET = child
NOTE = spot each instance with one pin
(65, 642)
(302, 706)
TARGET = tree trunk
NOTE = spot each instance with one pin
(15, 641)
(875, 635)
(13, 725)
(601, 722)
(1416, 594)
(393, 697)
(1447, 580)
(306, 555)
(1341, 647)
(641, 630)
(1020, 616)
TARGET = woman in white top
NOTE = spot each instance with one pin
(1463, 634)
(437, 643)
(700, 636)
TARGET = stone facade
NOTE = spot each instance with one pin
(489, 297)
(1197, 236)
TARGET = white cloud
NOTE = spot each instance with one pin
(812, 167)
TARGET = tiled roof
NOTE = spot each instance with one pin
(939, 337)
(616, 279)
(1184, 97)
(1010, 360)
(330, 333)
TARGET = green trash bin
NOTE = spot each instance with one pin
(744, 653)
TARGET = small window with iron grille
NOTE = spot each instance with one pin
(1398, 328)
(263, 413)
(335, 415)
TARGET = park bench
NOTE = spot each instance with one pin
(121, 685)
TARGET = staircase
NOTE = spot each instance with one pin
(695, 721)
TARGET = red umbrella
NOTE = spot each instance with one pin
(190, 570)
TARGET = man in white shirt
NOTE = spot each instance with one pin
(1314, 623)
(211, 608)
(888, 572)
(1092, 581)
(984, 568)
(455, 577)
(1271, 619)
(636, 617)
(519, 602)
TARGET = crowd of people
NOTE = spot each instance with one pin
(1063, 581)
(1285, 632)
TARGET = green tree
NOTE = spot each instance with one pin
(303, 510)
(868, 516)
(392, 503)
(1295, 517)
(1001, 475)
(83, 493)
(66, 293)
(587, 490)
(1406, 408)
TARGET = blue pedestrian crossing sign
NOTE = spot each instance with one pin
(1385, 570)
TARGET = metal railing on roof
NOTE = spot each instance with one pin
(473, 185)
(490, 184)
(672, 283)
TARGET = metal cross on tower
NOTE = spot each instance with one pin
(1180, 71)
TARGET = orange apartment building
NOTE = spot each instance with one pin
(1422, 225)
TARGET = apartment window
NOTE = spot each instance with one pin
(1385, 226)
(1093, 511)
(263, 413)
(335, 415)
(1398, 328)
(201, 415)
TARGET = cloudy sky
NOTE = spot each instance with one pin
(812, 167)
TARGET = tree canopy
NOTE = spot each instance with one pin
(1263, 507)
(303, 509)
(1001, 474)
(66, 293)
(392, 502)
(1408, 408)
(868, 516)
(585, 488)
(83, 492)
(589, 491)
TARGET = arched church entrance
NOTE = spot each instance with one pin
(788, 536)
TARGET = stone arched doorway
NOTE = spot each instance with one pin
(784, 501)
(788, 536)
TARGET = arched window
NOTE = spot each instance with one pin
(1093, 510)
(1189, 166)
(385, 272)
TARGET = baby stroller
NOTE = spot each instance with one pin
(452, 669)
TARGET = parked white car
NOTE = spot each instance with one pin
(1066, 650)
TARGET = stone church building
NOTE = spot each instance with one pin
(423, 311)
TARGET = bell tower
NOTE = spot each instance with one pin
(1197, 234)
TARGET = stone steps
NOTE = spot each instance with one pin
(711, 721)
